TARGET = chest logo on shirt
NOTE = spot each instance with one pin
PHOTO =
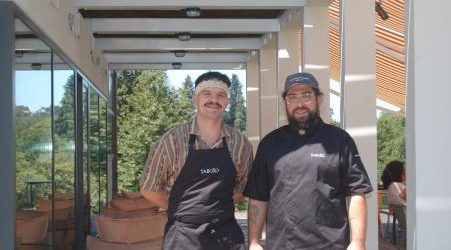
(319, 155)
(204, 171)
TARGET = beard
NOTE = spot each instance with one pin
(305, 122)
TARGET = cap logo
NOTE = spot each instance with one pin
(300, 79)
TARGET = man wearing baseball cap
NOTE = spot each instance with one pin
(197, 170)
(300, 179)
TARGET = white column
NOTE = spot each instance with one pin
(288, 57)
(253, 100)
(315, 48)
(428, 124)
(358, 80)
(268, 86)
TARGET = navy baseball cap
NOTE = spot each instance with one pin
(302, 78)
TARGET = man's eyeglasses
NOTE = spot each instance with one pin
(305, 98)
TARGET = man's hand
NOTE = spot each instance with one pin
(356, 246)
(237, 197)
(158, 198)
(255, 246)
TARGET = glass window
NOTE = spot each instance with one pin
(109, 156)
(103, 153)
(45, 145)
(94, 150)
(64, 108)
(97, 151)
(33, 136)
(87, 204)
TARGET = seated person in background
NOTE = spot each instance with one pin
(393, 178)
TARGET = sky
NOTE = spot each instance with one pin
(33, 86)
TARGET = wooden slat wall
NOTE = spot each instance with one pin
(390, 72)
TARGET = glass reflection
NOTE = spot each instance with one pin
(33, 140)
(86, 157)
(64, 87)
(103, 153)
(97, 151)
(94, 150)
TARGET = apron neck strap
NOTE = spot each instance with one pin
(224, 143)
(192, 139)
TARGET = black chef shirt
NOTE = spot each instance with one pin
(305, 179)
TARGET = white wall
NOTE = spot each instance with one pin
(268, 86)
(288, 59)
(253, 100)
(428, 124)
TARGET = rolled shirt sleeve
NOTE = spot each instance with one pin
(243, 163)
(155, 176)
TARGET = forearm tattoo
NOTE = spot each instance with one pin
(254, 212)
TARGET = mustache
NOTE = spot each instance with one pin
(213, 103)
(301, 109)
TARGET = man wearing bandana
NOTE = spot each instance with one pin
(197, 171)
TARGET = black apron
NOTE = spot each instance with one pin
(201, 209)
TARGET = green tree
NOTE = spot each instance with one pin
(185, 94)
(391, 141)
(236, 114)
(25, 119)
(240, 112)
(147, 109)
(64, 120)
(33, 152)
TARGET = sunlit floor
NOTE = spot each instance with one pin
(384, 243)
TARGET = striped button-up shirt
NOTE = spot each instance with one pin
(168, 155)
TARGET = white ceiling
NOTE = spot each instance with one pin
(144, 42)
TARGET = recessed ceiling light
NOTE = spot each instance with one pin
(192, 12)
(19, 53)
(176, 65)
(184, 36)
(179, 53)
(36, 66)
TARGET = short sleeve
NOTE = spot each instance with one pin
(354, 177)
(155, 175)
(257, 186)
